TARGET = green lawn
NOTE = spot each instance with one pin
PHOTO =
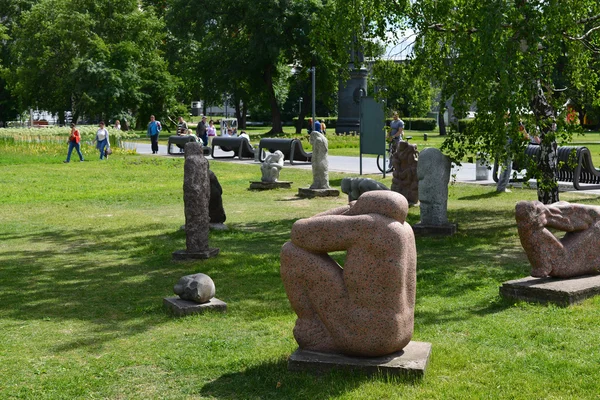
(85, 260)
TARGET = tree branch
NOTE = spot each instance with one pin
(584, 36)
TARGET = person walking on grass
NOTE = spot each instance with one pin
(74, 140)
(154, 128)
(102, 143)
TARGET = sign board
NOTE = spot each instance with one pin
(372, 127)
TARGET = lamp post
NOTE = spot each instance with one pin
(314, 97)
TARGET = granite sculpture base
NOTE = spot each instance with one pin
(217, 227)
(179, 307)
(270, 185)
(562, 292)
(183, 255)
(447, 229)
(308, 193)
(410, 362)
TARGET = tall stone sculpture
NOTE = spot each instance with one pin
(576, 254)
(196, 198)
(320, 169)
(405, 180)
(433, 171)
(216, 212)
(367, 307)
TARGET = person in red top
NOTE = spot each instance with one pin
(74, 140)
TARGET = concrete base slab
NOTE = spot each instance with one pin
(270, 185)
(308, 193)
(563, 292)
(180, 307)
(410, 362)
(217, 227)
(447, 229)
(183, 255)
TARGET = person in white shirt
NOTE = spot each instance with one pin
(102, 142)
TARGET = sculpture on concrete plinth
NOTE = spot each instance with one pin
(271, 167)
(320, 164)
(576, 254)
(354, 187)
(198, 288)
(365, 308)
(196, 198)
(405, 180)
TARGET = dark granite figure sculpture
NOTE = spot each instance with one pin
(405, 179)
(354, 187)
(215, 206)
(196, 198)
(367, 307)
(576, 254)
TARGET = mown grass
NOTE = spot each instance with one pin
(85, 260)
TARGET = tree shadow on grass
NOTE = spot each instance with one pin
(272, 380)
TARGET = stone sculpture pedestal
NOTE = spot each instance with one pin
(410, 362)
(259, 185)
(308, 193)
(562, 292)
(183, 255)
(179, 307)
(447, 229)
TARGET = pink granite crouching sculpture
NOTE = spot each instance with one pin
(365, 308)
(576, 254)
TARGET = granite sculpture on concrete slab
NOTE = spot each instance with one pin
(365, 308)
(320, 169)
(196, 198)
(270, 168)
(405, 179)
(354, 187)
(433, 171)
(196, 295)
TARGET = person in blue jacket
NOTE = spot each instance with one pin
(154, 128)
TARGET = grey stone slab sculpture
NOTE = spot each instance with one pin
(405, 179)
(433, 171)
(271, 167)
(354, 187)
(367, 307)
(196, 198)
(577, 253)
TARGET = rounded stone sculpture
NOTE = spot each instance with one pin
(271, 167)
(354, 187)
(576, 254)
(320, 164)
(405, 180)
(365, 308)
(198, 288)
(433, 171)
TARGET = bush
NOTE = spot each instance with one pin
(462, 125)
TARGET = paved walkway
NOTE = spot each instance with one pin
(465, 173)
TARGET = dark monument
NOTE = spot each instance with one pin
(349, 94)
(216, 212)
(405, 179)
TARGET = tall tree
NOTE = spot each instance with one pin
(503, 56)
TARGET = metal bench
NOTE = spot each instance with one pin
(291, 148)
(583, 171)
(238, 145)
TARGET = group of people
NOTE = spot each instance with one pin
(318, 127)
(101, 139)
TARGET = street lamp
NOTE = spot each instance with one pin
(299, 105)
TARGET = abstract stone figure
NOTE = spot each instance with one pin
(216, 212)
(196, 198)
(365, 308)
(433, 171)
(576, 254)
(320, 164)
(405, 180)
(354, 187)
(198, 288)
(271, 167)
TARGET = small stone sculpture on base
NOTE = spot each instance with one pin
(433, 170)
(320, 169)
(367, 307)
(405, 179)
(270, 168)
(196, 295)
(196, 197)
(354, 187)
(576, 254)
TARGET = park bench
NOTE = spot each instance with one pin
(238, 145)
(180, 141)
(583, 171)
(291, 148)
